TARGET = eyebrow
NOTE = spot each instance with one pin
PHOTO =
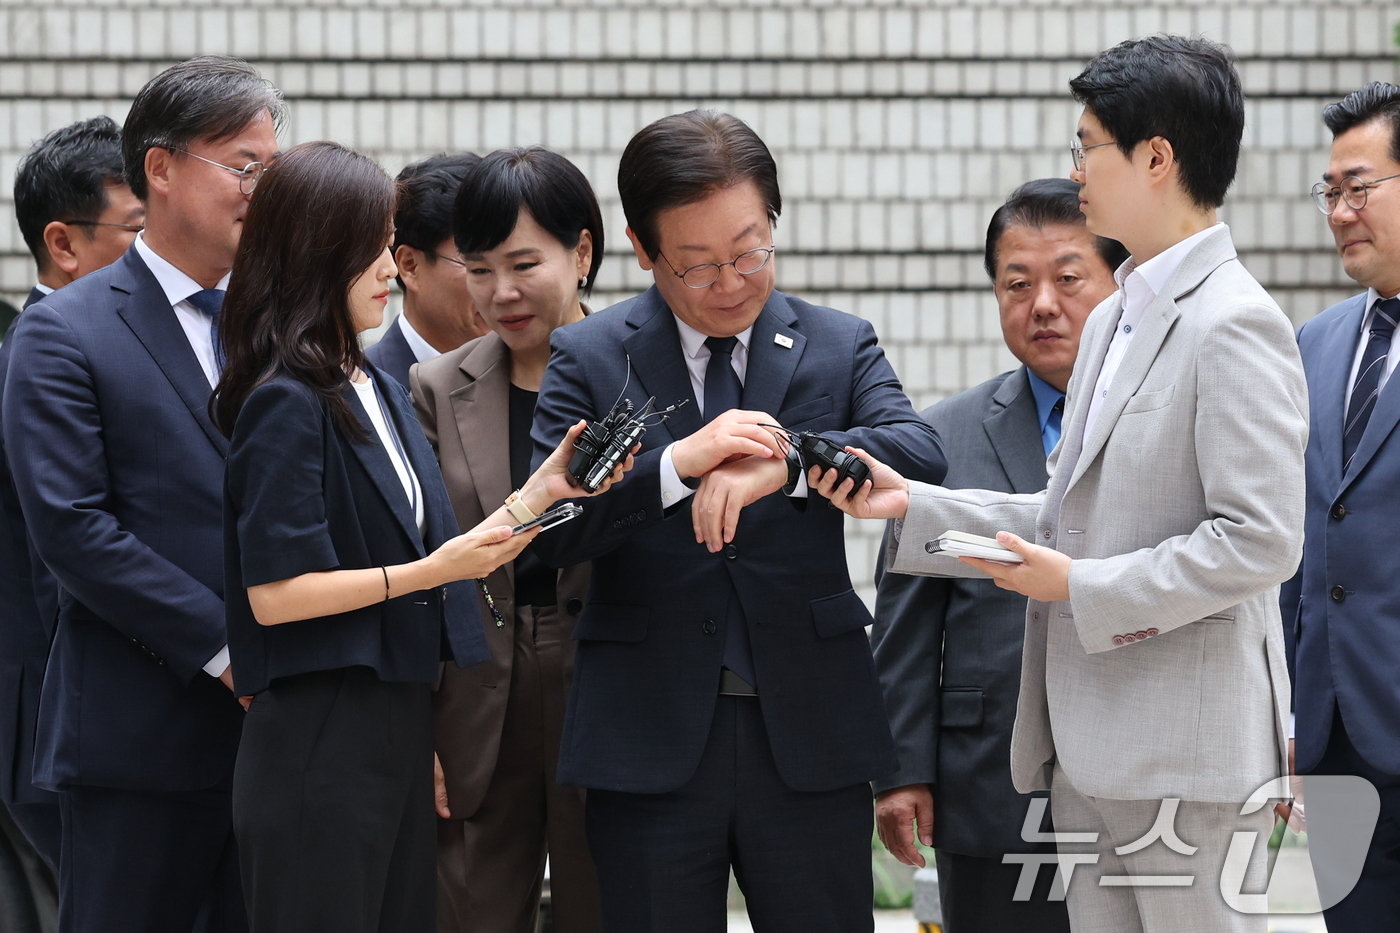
(747, 231)
(1357, 170)
(513, 254)
(1059, 261)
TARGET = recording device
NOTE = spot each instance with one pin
(809, 449)
(555, 516)
(604, 444)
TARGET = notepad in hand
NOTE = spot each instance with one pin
(962, 544)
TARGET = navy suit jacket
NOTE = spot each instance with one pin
(393, 354)
(28, 607)
(948, 651)
(119, 470)
(302, 496)
(1345, 601)
(651, 634)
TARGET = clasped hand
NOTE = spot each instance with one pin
(739, 461)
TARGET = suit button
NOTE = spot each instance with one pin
(1143, 634)
(1338, 594)
(1046, 534)
(731, 552)
(1338, 511)
(1152, 632)
(709, 627)
(1118, 640)
(574, 606)
(1035, 617)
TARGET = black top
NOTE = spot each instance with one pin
(535, 584)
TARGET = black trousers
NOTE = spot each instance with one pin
(1374, 904)
(333, 808)
(801, 859)
(978, 896)
(42, 825)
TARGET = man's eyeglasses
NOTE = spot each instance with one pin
(451, 259)
(129, 228)
(707, 273)
(1076, 153)
(1352, 190)
(248, 175)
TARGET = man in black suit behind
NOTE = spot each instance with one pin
(948, 651)
(119, 471)
(77, 215)
(724, 710)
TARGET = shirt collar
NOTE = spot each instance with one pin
(177, 285)
(43, 289)
(1157, 271)
(1045, 394)
(422, 350)
(692, 341)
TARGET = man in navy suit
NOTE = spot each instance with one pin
(119, 471)
(724, 710)
(438, 314)
(1345, 601)
(77, 215)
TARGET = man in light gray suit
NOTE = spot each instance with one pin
(1153, 687)
(948, 651)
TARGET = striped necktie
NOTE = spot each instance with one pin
(1368, 377)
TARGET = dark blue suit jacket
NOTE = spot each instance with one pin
(393, 354)
(119, 471)
(304, 497)
(652, 632)
(28, 610)
(1346, 651)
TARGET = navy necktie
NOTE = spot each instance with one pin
(1368, 377)
(722, 391)
(211, 302)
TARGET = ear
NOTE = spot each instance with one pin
(1161, 157)
(157, 167)
(408, 260)
(58, 241)
(643, 259)
(583, 254)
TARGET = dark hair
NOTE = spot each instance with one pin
(211, 97)
(546, 184)
(317, 220)
(1376, 101)
(680, 159)
(1184, 90)
(64, 176)
(1042, 203)
(426, 192)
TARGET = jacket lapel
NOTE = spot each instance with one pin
(771, 364)
(1013, 428)
(375, 459)
(481, 409)
(1383, 419)
(658, 366)
(147, 312)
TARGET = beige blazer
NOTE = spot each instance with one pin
(463, 399)
(1163, 674)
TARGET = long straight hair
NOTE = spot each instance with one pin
(319, 217)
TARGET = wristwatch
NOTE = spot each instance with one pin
(517, 507)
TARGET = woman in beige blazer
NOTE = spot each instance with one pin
(530, 234)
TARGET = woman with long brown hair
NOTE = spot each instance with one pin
(344, 574)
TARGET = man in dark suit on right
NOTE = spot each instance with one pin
(1344, 604)
(948, 651)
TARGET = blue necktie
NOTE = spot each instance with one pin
(722, 391)
(1368, 377)
(1053, 425)
(211, 302)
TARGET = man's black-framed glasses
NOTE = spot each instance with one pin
(707, 273)
(1352, 190)
(248, 175)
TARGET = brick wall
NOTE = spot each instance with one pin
(897, 126)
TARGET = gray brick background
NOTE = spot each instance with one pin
(897, 126)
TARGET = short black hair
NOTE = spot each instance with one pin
(681, 159)
(211, 97)
(65, 176)
(549, 186)
(427, 190)
(1184, 90)
(1375, 101)
(1042, 203)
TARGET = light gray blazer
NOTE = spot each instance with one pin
(1164, 673)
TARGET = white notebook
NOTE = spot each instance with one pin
(962, 544)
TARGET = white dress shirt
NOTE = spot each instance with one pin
(1140, 284)
(697, 358)
(422, 350)
(178, 287)
(1391, 358)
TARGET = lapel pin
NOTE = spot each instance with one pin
(783, 340)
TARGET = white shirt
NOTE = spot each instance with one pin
(178, 287)
(1372, 296)
(422, 350)
(1140, 284)
(412, 491)
(195, 323)
(43, 289)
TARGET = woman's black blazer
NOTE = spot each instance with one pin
(300, 496)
